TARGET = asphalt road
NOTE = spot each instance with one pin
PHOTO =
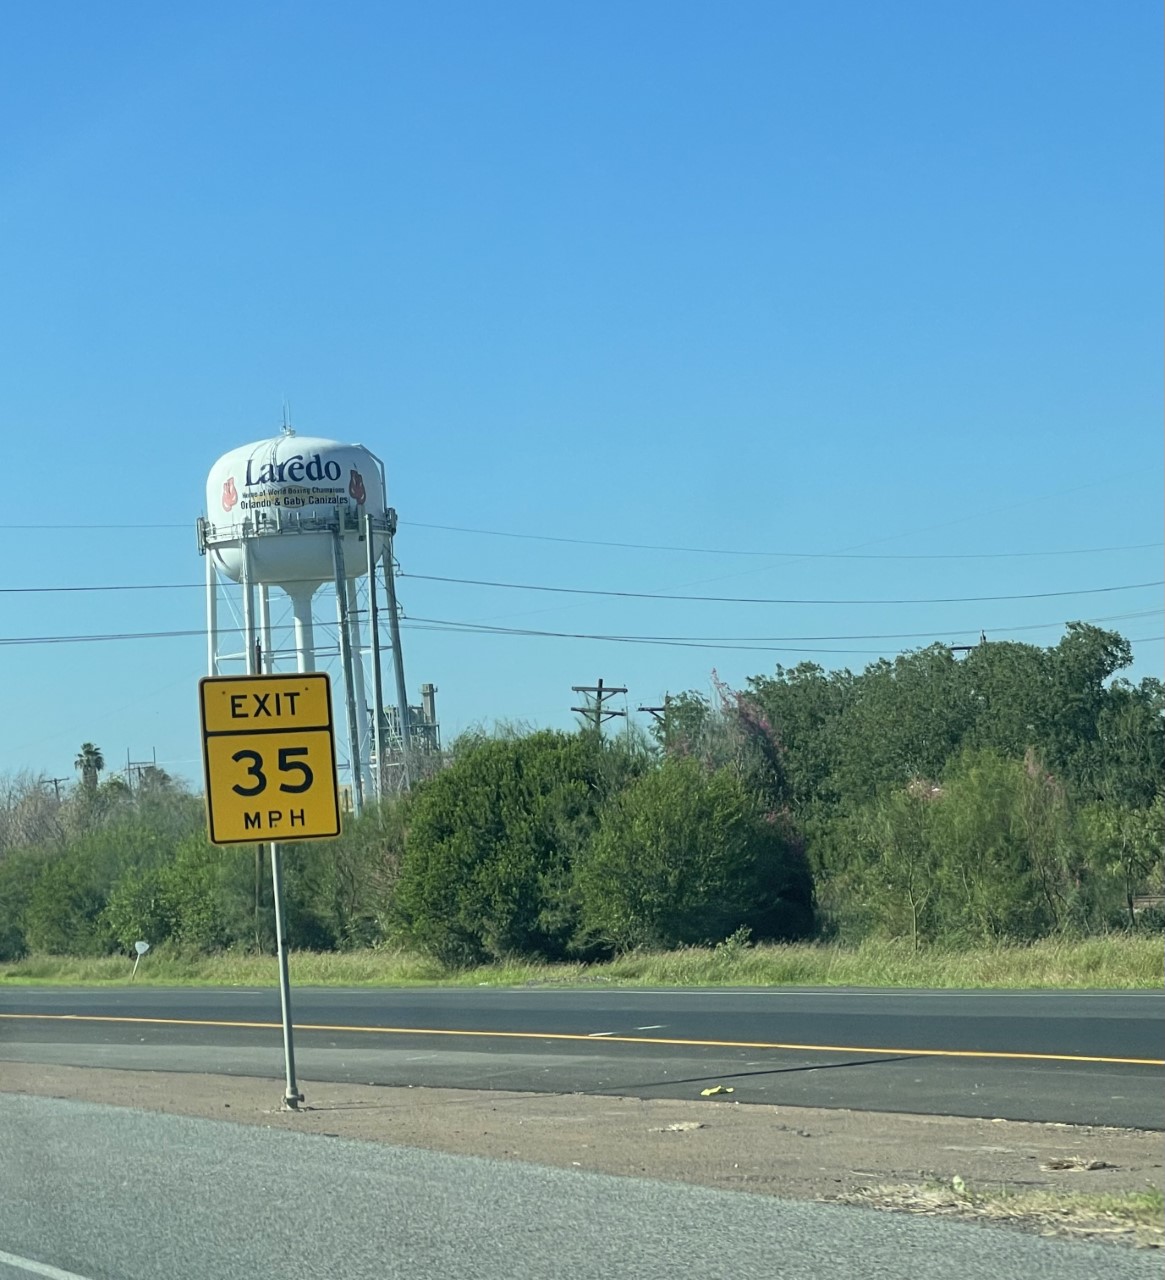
(105, 1193)
(1073, 1057)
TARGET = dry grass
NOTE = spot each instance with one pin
(1112, 963)
(1130, 1217)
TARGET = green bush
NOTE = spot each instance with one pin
(65, 910)
(997, 850)
(488, 868)
(18, 876)
(684, 856)
(139, 908)
(1011, 794)
(342, 890)
(186, 898)
(1125, 854)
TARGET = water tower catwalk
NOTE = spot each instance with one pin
(308, 517)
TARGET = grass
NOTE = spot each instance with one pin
(1111, 962)
(1133, 1217)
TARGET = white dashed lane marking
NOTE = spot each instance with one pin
(36, 1268)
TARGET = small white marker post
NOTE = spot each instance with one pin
(141, 948)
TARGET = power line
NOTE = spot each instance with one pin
(125, 586)
(111, 635)
(717, 646)
(622, 595)
(775, 555)
(679, 642)
(453, 628)
(488, 627)
(660, 546)
(42, 528)
(692, 644)
(414, 625)
(658, 595)
(131, 586)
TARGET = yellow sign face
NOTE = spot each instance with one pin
(231, 704)
(269, 758)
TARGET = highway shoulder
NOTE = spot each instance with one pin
(791, 1152)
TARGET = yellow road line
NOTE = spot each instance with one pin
(563, 1035)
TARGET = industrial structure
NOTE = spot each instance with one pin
(307, 517)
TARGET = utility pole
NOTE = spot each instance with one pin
(596, 697)
(55, 783)
(659, 715)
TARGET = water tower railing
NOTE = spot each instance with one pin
(210, 534)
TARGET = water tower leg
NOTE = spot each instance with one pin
(358, 681)
(211, 617)
(248, 609)
(265, 627)
(377, 670)
(398, 664)
(346, 662)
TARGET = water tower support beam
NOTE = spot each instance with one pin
(211, 617)
(402, 697)
(346, 662)
(265, 628)
(358, 677)
(248, 606)
(377, 672)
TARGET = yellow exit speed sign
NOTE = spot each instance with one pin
(269, 758)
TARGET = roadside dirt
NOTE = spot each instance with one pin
(1027, 1175)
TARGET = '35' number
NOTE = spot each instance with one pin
(285, 764)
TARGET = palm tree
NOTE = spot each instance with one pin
(90, 761)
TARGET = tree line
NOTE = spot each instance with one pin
(1009, 794)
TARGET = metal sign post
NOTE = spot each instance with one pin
(291, 1094)
(270, 765)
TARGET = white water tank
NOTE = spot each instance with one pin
(290, 490)
(275, 505)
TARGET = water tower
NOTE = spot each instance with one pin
(306, 516)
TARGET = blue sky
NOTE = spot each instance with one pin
(782, 277)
